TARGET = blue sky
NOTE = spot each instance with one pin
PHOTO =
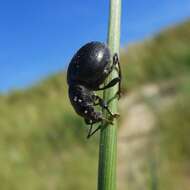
(39, 37)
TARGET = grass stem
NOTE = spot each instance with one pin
(108, 134)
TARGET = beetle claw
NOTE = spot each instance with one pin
(116, 115)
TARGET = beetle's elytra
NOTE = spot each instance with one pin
(87, 71)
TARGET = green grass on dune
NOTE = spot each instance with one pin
(173, 124)
(42, 140)
(164, 57)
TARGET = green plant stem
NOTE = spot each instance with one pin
(108, 134)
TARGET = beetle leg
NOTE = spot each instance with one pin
(118, 69)
(90, 132)
(91, 123)
(104, 105)
(111, 83)
(117, 79)
(115, 96)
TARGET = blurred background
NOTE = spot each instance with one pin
(42, 140)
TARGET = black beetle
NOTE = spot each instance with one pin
(88, 69)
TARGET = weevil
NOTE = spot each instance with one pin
(87, 71)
